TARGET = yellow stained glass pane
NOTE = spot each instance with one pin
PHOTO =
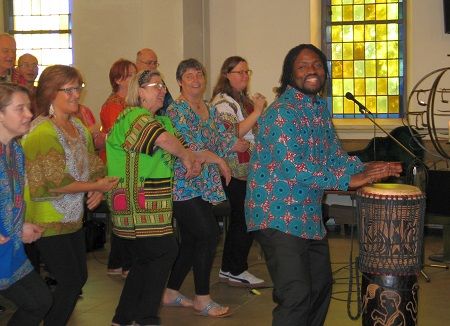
(359, 51)
(338, 105)
(369, 1)
(57, 56)
(347, 13)
(349, 107)
(371, 86)
(392, 32)
(358, 13)
(347, 33)
(337, 85)
(347, 51)
(393, 86)
(360, 86)
(370, 50)
(393, 104)
(358, 33)
(35, 7)
(336, 2)
(337, 51)
(382, 68)
(336, 13)
(370, 12)
(63, 6)
(359, 2)
(370, 32)
(392, 11)
(371, 68)
(381, 11)
(381, 30)
(348, 69)
(382, 104)
(64, 22)
(371, 103)
(359, 70)
(382, 86)
(381, 50)
(348, 86)
(336, 33)
(22, 7)
(347, 2)
(336, 69)
(46, 7)
(393, 68)
(392, 48)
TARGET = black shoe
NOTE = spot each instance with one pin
(2, 309)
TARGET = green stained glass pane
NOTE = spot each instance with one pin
(337, 85)
(371, 103)
(348, 69)
(359, 69)
(348, 51)
(370, 50)
(348, 86)
(393, 104)
(371, 68)
(382, 68)
(392, 32)
(338, 107)
(358, 2)
(393, 86)
(347, 2)
(337, 51)
(358, 51)
(336, 33)
(370, 32)
(392, 11)
(347, 13)
(381, 50)
(381, 11)
(371, 86)
(336, 13)
(393, 68)
(381, 86)
(392, 48)
(369, 1)
(370, 12)
(358, 13)
(336, 69)
(381, 31)
(360, 86)
(382, 104)
(358, 33)
(347, 32)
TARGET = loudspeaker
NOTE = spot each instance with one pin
(438, 190)
(447, 16)
(95, 235)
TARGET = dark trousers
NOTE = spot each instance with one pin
(32, 298)
(199, 232)
(238, 241)
(65, 256)
(141, 295)
(301, 273)
(121, 253)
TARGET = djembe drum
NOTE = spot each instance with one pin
(390, 218)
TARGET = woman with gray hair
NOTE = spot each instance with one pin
(141, 149)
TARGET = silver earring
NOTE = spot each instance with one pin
(51, 111)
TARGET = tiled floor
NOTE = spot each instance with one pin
(100, 294)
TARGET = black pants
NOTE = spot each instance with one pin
(32, 298)
(238, 241)
(65, 256)
(301, 273)
(199, 232)
(141, 295)
(121, 253)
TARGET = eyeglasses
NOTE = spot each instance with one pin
(158, 86)
(28, 65)
(72, 90)
(149, 63)
(241, 72)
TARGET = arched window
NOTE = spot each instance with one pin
(365, 46)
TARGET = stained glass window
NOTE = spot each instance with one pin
(365, 47)
(42, 28)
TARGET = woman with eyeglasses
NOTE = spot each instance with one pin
(18, 281)
(239, 113)
(198, 123)
(61, 167)
(141, 150)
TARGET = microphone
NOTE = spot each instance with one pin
(362, 108)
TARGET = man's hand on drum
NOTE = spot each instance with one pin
(375, 172)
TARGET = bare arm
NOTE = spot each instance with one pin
(101, 185)
(245, 125)
(373, 172)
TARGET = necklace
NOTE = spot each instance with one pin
(193, 105)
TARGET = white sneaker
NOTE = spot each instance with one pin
(223, 276)
(245, 279)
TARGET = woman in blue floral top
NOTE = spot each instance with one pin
(198, 123)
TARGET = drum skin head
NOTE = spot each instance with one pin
(391, 189)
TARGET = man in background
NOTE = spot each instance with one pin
(7, 57)
(25, 74)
